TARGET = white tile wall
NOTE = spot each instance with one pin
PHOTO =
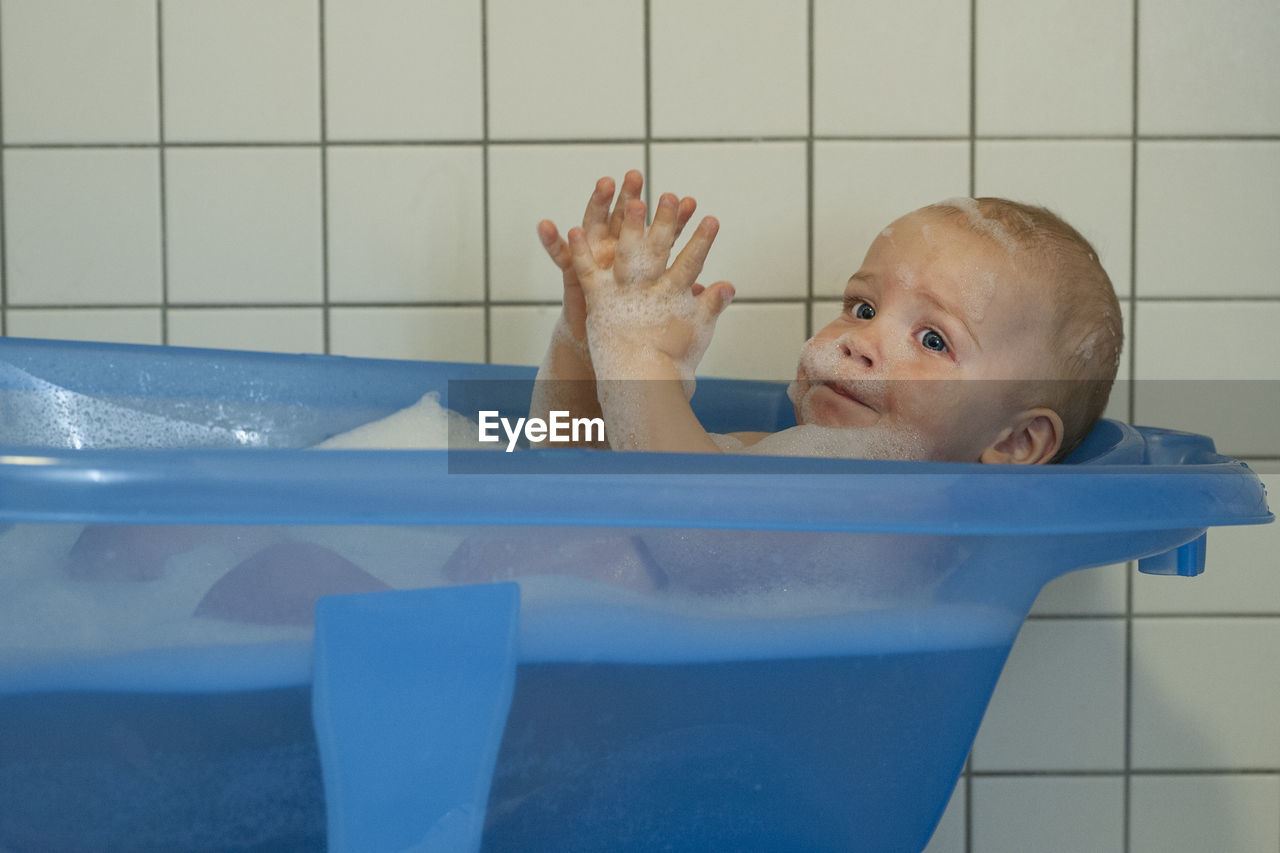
(728, 67)
(365, 177)
(866, 56)
(82, 226)
(403, 69)
(1055, 67)
(1048, 814)
(79, 72)
(565, 69)
(1201, 68)
(243, 224)
(241, 71)
(1191, 814)
(406, 224)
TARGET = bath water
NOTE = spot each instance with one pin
(829, 753)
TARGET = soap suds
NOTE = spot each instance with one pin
(991, 227)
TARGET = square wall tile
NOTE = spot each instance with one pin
(1205, 693)
(1207, 367)
(1192, 814)
(1059, 704)
(860, 187)
(82, 226)
(756, 342)
(402, 69)
(406, 224)
(752, 54)
(1088, 183)
(1054, 67)
(244, 224)
(1048, 815)
(866, 56)
(117, 325)
(1242, 572)
(565, 69)
(762, 245)
(79, 72)
(520, 334)
(265, 329)
(432, 334)
(1208, 215)
(241, 70)
(1202, 71)
(529, 183)
(1094, 592)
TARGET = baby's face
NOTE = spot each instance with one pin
(933, 305)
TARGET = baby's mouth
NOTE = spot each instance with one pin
(853, 392)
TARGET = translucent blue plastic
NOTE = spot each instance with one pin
(544, 650)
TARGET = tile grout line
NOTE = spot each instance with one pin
(485, 244)
(647, 158)
(162, 157)
(617, 140)
(1126, 820)
(4, 255)
(326, 337)
(810, 177)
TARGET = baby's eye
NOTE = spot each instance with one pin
(932, 340)
(863, 311)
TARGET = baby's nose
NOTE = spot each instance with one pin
(860, 347)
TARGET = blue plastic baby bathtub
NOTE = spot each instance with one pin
(545, 650)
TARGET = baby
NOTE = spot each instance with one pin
(975, 331)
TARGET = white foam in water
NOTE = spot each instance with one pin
(426, 425)
(571, 620)
(48, 616)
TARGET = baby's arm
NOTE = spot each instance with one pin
(647, 327)
(566, 378)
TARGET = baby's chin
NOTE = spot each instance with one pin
(820, 405)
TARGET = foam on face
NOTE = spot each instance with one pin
(978, 293)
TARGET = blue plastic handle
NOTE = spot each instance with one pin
(409, 700)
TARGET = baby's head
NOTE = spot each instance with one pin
(957, 292)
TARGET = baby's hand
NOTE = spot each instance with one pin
(645, 318)
(602, 229)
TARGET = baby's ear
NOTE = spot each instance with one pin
(1033, 439)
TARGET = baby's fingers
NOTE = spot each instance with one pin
(688, 264)
(662, 234)
(595, 220)
(684, 212)
(632, 183)
(631, 231)
(557, 248)
(584, 262)
(716, 298)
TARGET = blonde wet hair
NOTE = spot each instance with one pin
(1088, 331)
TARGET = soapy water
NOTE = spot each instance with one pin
(712, 595)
